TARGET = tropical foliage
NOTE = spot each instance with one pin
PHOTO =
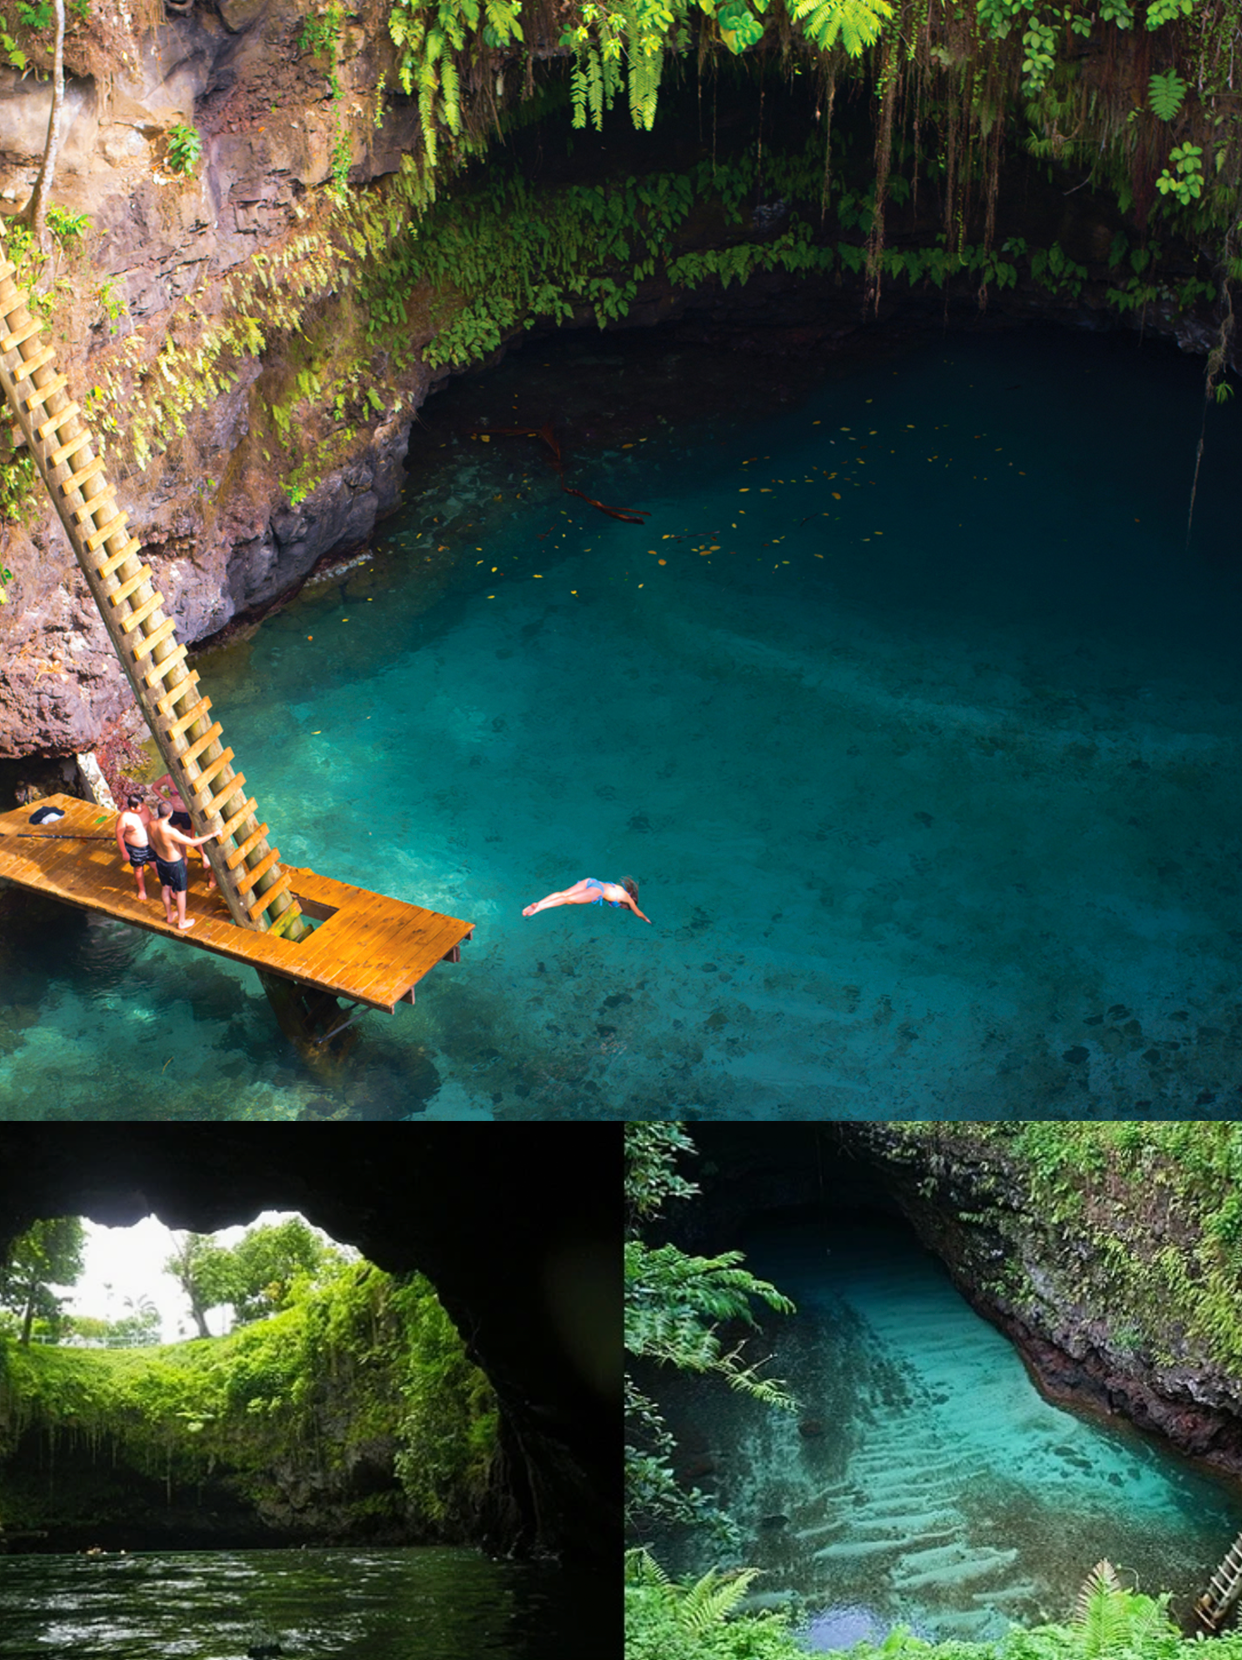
(48, 1255)
(700, 1620)
(676, 1306)
(364, 1365)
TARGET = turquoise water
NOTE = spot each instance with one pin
(315, 1604)
(924, 1480)
(908, 708)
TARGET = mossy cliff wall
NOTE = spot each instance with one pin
(353, 1415)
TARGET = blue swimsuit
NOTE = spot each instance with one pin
(596, 883)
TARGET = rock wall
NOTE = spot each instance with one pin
(217, 527)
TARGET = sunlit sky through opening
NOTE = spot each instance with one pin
(129, 1263)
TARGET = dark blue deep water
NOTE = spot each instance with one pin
(909, 708)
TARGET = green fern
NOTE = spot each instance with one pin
(857, 22)
(1165, 94)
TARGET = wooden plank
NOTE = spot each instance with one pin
(200, 744)
(248, 846)
(143, 648)
(349, 962)
(131, 586)
(237, 819)
(31, 366)
(19, 336)
(115, 560)
(89, 508)
(140, 615)
(279, 886)
(232, 788)
(71, 447)
(76, 480)
(173, 696)
(60, 419)
(194, 713)
(157, 671)
(209, 772)
(285, 920)
(109, 530)
(246, 879)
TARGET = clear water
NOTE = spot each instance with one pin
(924, 1480)
(316, 1604)
(908, 708)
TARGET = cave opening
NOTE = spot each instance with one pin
(284, 1439)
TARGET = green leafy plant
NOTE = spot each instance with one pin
(13, 54)
(67, 227)
(1165, 94)
(6, 576)
(36, 16)
(1187, 182)
(185, 145)
(1160, 12)
(857, 23)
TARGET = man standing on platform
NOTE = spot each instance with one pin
(131, 839)
(170, 861)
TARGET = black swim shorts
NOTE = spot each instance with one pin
(174, 875)
(138, 855)
(181, 821)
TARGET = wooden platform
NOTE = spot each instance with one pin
(367, 948)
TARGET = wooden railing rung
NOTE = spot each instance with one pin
(248, 846)
(157, 671)
(71, 447)
(76, 480)
(200, 744)
(130, 587)
(101, 498)
(286, 919)
(174, 695)
(237, 819)
(135, 618)
(31, 366)
(212, 770)
(232, 788)
(187, 720)
(108, 531)
(19, 337)
(279, 886)
(55, 422)
(115, 560)
(144, 648)
(247, 878)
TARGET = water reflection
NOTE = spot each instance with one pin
(433, 1604)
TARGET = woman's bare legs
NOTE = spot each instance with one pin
(582, 893)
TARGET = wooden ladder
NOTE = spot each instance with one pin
(1223, 1589)
(254, 887)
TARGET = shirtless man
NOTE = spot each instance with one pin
(132, 841)
(170, 861)
(181, 817)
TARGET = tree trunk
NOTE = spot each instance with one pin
(35, 213)
(28, 1314)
